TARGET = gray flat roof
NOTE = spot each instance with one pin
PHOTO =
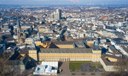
(74, 50)
(125, 48)
(114, 50)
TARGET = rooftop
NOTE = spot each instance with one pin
(125, 48)
(120, 41)
(46, 68)
(114, 50)
(75, 50)
(106, 61)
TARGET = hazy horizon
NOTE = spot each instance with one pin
(64, 2)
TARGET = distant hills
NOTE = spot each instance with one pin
(20, 6)
(9, 6)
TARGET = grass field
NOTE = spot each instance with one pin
(76, 65)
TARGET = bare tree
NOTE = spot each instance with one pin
(122, 65)
(7, 69)
(122, 68)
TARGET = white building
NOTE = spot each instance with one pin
(46, 68)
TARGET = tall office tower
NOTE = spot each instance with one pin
(57, 15)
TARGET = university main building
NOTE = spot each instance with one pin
(65, 51)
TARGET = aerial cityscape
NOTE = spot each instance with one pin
(63, 37)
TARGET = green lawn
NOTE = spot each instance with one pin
(75, 65)
(96, 65)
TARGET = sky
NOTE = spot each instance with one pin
(63, 2)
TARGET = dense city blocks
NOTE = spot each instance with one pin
(63, 40)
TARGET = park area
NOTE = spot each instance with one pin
(85, 66)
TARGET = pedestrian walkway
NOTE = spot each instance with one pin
(65, 69)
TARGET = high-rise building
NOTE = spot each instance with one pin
(57, 15)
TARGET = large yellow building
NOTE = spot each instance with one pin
(66, 55)
(64, 51)
(63, 44)
(56, 45)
